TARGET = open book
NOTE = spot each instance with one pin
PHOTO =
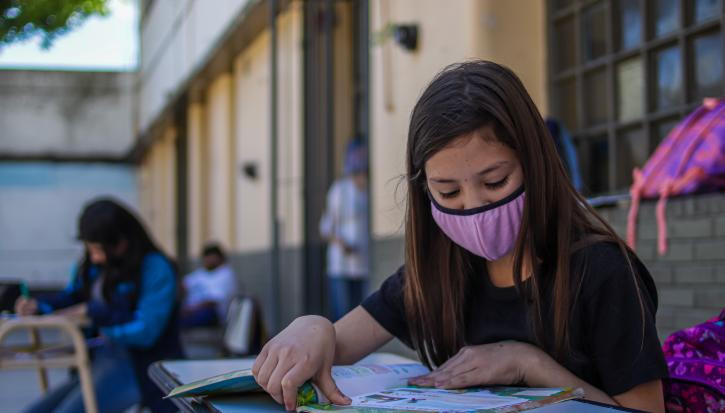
(378, 388)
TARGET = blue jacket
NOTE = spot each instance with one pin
(147, 327)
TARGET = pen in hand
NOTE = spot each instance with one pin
(24, 292)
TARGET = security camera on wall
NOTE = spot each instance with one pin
(406, 35)
(250, 170)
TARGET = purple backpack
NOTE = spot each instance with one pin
(696, 362)
(690, 159)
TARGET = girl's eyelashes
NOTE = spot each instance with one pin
(492, 186)
(450, 194)
(499, 184)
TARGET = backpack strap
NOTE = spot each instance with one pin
(661, 216)
(635, 193)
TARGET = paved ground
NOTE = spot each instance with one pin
(20, 387)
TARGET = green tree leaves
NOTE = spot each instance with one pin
(23, 19)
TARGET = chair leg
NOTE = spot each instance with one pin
(42, 372)
(89, 394)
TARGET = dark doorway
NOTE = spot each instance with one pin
(336, 47)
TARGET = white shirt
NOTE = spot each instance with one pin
(218, 285)
(346, 217)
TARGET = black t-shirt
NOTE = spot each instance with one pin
(608, 348)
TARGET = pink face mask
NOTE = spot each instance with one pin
(488, 231)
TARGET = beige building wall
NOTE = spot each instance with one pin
(176, 38)
(196, 178)
(460, 30)
(220, 160)
(397, 77)
(513, 33)
(252, 145)
(252, 111)
(157, 191)
(291, 127)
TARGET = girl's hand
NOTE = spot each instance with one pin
(304, 350)
(26, 306)
(346, 248)
(501, 363)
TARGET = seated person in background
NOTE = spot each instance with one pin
(209, 290)
(127, 287)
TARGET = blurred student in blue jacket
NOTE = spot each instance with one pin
(128, 288)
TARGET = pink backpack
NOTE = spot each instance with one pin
(690, 159)
(696, 362)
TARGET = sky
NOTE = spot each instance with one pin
(100, 43)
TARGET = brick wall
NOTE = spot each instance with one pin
(691, 276)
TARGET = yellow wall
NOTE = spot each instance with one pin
(397, 79)
(252, 145)
(251, 72)
(220, 160)
(157, 191)
(291, 127)
(196, 178)
(511, 32)
(228, 127)
(176, 37)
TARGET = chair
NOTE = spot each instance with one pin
(245, 332)
(42, 357)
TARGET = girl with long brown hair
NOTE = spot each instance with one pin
(510, 277)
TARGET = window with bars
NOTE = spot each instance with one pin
(624, 72)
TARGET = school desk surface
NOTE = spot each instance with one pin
(171, 373)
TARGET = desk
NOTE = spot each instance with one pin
(169, 374)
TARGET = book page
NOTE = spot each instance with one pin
(435, 400)
(425, 399)
(368, 378)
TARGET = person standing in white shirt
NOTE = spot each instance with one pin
(208, 290)
(344, 225)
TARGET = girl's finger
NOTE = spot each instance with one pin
(417, 380)
(450, 361)
(290, 383)
(420, 382)
(452, 374)
(463, 368)
(266, 371)
(460, 381)
(330, 389)
(460, 359)
(259, 361)
(274, 384)
(453, 362)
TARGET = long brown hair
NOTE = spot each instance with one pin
(461, 100)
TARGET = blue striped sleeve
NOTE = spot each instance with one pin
(155, 304)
